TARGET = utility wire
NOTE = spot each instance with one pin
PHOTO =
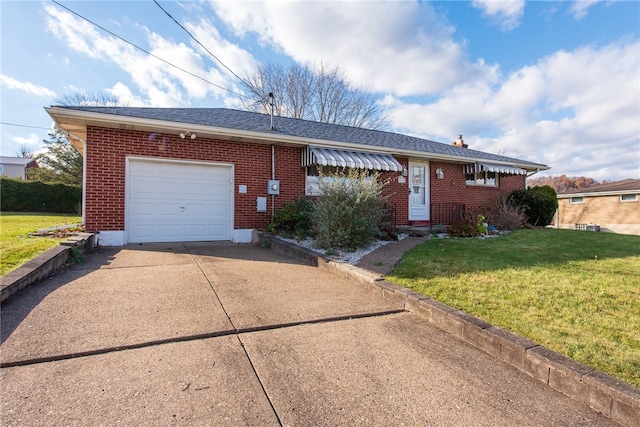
(146, 51)
(201, 45)
(23, 126)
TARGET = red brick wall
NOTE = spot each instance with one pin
(397, 194)
(107, 150)
(454, 189)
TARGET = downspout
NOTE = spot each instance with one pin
(84, 171)
(84, 181)
(273, 157)
(273, 177)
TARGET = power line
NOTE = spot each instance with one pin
(23, 126)
(198, 41)
(146, 51)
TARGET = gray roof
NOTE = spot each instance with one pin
(257, 122)
(629, 185)
(21, 161)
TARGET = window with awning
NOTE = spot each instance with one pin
(487, 167)
(322, 156)
(328, 161)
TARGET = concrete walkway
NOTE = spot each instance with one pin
(233, 335)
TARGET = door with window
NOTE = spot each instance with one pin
(418, 191)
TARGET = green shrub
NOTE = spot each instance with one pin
(348, 214)
(17, 195)
(388, 229)
(539, 204)
(293, 219)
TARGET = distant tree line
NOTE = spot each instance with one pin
(563, 183)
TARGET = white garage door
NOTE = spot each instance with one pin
(178, 201)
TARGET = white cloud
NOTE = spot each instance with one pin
(402, 48)
(27, 87)
(579, 8)
(32, 139)
(559, 111)
(159, 84)
(125, 96)
(578, 112)
(507, 12)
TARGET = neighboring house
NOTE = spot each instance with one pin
(171, 174)
(612, 207)
(16, 167)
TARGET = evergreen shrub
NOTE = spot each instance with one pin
(17, 195)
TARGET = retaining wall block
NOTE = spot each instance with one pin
(513, 347)
(625, 398)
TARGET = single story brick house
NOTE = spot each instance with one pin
(612, 207)
(190, 174)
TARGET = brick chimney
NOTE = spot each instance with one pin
(459, 142)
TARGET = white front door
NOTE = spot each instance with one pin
(418, 191)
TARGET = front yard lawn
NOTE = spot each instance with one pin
(575, 292)
(16, 247)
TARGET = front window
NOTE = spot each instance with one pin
(489, 179)
(628, 197)
(576, 200)
(312, 187)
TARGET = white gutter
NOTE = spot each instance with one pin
(118, 121)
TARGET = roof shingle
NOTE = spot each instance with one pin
(257, 122)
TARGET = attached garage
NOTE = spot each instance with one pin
(178, 201)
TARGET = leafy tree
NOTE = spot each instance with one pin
(312, 93)
(61, 163)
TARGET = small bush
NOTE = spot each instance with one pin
(387, 227)
(504, 216)
(348, 214)
(465, 226)
(293, 219)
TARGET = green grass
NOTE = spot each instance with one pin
(16, 247)
(575, 292)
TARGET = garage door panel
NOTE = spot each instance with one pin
(170, 201)
(195, 230)
(169, 232)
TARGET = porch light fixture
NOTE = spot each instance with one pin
(405, 172)
(439, 173)
(190, 135)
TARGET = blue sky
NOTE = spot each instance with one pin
(554, 82)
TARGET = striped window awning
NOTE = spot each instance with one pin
(486, 167)
(349, 159)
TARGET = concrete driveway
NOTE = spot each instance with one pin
(231, 335)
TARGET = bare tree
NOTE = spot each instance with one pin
(321, 94)
(25, 152)
(89, 99)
